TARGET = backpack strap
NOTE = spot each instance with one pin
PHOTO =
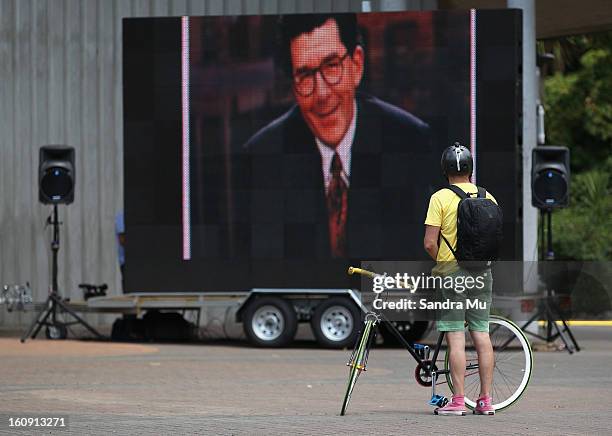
(457, 190)
(448, 244)
(462, 195)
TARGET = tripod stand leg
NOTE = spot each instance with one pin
(559, 315)
(65, 308)
(528, 323)
(559, 333)
(42, 322)
(38, 322)
(571, 335)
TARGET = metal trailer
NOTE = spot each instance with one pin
(269, 317)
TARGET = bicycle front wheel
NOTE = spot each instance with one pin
(512, 370)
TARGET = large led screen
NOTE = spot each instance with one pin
(274, 151)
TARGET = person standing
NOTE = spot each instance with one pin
(120, 232)
(441, 225)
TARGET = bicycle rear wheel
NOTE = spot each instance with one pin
(357, 362)
(513, 365)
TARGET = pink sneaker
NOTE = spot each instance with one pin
(484, 407)
(455, 407)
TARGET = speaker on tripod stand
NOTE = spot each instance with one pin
(56, 181)
(550, 184)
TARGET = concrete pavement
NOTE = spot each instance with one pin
(231, 388)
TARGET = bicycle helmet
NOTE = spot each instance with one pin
(456, 161)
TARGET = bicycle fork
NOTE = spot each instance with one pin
(361, 352)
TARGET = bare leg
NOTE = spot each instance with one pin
(456, 345)
(484, 349)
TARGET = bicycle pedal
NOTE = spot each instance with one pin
(438, 401)
(422, 350)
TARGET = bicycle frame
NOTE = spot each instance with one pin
(423, 363)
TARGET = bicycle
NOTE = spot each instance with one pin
(512, 353)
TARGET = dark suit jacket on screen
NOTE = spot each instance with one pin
(388, 187)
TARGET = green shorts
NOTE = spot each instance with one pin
(471, 304)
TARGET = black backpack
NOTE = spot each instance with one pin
(479, 230)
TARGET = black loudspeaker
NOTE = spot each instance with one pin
(550, 177)
(56, 174)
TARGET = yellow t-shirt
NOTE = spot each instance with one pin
(442, 212)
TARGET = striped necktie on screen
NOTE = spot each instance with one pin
(337, 205)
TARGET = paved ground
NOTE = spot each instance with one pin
(230, 388)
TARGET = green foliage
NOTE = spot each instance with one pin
(578, 103)
(578, 98)
(584, 230)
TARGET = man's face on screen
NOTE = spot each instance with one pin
(325, 78)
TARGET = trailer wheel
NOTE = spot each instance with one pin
(335, 323)
(269, 322)
(119, 330)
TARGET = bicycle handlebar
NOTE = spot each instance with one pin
(352, 270)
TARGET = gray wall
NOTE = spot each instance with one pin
(60, 83)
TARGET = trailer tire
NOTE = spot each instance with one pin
(119, 330)
(335, 323)
(269, 322)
